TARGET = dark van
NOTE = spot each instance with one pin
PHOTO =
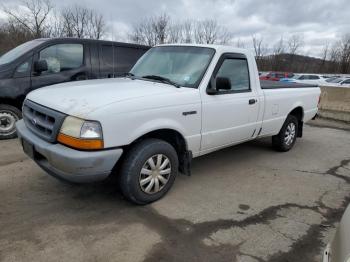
(44, 62)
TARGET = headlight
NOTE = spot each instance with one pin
(81, 134)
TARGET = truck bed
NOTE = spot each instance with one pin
(277, 85)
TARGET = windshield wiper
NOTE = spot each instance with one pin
(129, 75)
(162, 79)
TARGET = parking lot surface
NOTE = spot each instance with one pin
(246, 203)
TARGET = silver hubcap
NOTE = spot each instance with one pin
(7, 122)
(290, 134)
(155, 174)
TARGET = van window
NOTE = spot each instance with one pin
(62, 57)
(107, 59)
(126, 58)
(23, 70)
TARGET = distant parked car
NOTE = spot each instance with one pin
(332, 79)
(341, 81)
(44, 62)
(275, 76)
(306, 79)
(339, 249)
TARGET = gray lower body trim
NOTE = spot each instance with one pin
(69, 164)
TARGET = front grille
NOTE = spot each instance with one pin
(42, 121)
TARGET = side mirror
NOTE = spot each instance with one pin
(218, 83)
(223, 83)
(40, 66)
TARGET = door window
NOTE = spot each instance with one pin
(236, 70)
(62, 57)
(23, 70)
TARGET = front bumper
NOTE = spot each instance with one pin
(66, 163)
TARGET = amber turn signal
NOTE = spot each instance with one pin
(83, 144)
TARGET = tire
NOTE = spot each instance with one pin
(287, 136)
(9, 115)
(136, 174)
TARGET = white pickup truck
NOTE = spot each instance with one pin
(177, 103)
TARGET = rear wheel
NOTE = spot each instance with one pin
(287, 136)
(148, 171)
(9, 115)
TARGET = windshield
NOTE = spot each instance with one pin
(18, 51)
(183, 65)
(296, 77)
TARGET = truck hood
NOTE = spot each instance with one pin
(83, 97)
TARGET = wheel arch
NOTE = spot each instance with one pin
(174, 138)
(12, 102)
(298, 112)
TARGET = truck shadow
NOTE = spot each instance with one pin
(224, 157)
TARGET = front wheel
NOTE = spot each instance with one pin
(287, 136)
(9, 115)
(148, 171)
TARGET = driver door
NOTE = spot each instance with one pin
(229, 116)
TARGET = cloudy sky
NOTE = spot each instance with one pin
(317, 21)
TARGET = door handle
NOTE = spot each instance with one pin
(252, 101)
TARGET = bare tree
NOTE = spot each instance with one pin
(81, 22)
(32, 17)
(239, 43)
(12, 35)
(325, 54)
(295, 42)
(96, 25)
(160, 26)
(206, 32)
(187, 32)
(152, 31)
(279, 47)
(258, 45)
(161, 29)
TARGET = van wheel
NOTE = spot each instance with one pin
(9, 115)
(286, 138)
(148, 171)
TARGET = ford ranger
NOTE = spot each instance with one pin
(177, 103)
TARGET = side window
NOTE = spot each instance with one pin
(236, 70)
(126, 58)
(107, 59)
(346, 81)
(23, 69)
(313, 77)
(302, 77)
(62, 57)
